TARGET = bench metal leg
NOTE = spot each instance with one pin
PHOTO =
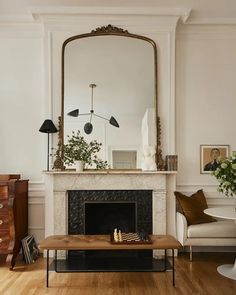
(55, 268)
(173, 266)
(47, 275)
(165, 258)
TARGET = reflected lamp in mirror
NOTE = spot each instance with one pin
(88, 127)
(48, 127)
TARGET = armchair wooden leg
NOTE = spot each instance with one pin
(190, 253)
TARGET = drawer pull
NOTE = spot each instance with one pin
(0, 240)
(1, 205)
(1, 222)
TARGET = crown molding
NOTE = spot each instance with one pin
(186, 15)
(39, 12)
(16, 18)
(212, 21)
(208, 32)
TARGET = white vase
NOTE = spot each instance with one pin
(79, 166)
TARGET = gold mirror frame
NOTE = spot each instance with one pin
(108, 31)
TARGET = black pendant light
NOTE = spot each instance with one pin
(88, 127)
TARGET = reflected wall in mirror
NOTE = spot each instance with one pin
(123, 68)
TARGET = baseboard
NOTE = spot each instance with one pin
(209, 249)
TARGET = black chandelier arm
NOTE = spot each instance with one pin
(92, 98)
(101, 117)
(85, 114)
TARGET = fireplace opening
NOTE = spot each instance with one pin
(103, 218)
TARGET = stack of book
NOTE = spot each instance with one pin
(30, 249)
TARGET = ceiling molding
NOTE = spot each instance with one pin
(185, 15)
(39, 12)
(211, 21)
(206, 32)
(16, 18)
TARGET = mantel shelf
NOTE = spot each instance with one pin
(107, 172)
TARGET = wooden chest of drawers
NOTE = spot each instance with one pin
(13, 216)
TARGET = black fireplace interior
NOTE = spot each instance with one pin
(104, 217)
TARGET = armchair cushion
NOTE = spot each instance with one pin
(193, 207)
(219, 229)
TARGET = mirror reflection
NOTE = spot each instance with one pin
(109, 95)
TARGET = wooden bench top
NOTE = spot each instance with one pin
(102, 242)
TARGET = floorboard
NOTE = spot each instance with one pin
(197, 277)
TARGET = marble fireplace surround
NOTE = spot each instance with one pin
(161, 183)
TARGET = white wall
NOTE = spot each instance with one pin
(21, 109)
(205, 101)
(22, 112)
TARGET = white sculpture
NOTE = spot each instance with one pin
(149, 163)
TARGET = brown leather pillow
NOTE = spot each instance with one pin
(193, 207)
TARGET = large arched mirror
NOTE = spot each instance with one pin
(109, 93)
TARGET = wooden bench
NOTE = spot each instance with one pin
(102, 242)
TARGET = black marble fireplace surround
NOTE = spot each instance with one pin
(100, 211)
(132, 213)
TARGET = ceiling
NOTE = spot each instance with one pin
(222, 10)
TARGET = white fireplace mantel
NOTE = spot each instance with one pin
(161, 183)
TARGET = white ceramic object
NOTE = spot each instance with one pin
(149, 161)
(79, 166)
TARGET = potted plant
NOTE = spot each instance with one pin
(77, 151)
(226, 175)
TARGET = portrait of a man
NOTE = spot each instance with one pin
(211, 157)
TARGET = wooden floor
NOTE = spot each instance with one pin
(198, 277)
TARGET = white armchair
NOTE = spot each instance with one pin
(218, 233)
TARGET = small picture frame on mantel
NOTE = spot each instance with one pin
(210, 156)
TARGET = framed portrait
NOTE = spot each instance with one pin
(210, 156)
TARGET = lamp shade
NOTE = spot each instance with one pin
(113, 122)
(48, 127)
(74, 113)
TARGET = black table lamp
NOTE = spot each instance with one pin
(48, 127)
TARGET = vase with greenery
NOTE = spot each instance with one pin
(78, 149)
(226, 175)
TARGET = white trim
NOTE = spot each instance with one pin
(41, 203)
(38, 11)
(206, 32)
(36, 228)
(212, 21)
(16, 18)
(172, 79)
